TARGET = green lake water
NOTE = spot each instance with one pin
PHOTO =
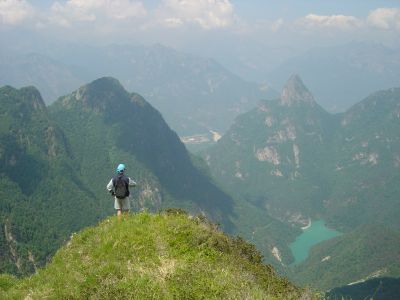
(311, 236)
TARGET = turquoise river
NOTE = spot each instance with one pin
(311, 236)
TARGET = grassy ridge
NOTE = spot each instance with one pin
(154, 256)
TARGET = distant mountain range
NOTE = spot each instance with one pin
(339, 76)
(195, 95)
(52, 77)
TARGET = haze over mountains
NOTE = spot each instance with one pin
(52, 77)
(174, 82)
(341, 75)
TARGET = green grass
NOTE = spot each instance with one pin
(170, 255)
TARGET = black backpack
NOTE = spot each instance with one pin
(121, 190)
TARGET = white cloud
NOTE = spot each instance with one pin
(178, 20)
(334, 21)
(208, 14)
(385, 18)
(13, 12)
(95, 10)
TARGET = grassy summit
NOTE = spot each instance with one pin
(169, 255)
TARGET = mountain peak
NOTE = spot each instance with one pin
(296, 92)
(28, 96)
(101, 86)
(101, 94)
(106, 82)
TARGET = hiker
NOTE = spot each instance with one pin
(119, 188)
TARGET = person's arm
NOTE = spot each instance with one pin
(132, 182)
(110, 187)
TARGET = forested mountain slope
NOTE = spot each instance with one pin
(386, 288)
(42, 198)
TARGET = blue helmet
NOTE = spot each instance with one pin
(121, 168)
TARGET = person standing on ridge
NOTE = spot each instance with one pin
(119, 188)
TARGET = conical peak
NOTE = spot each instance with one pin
(296, 92)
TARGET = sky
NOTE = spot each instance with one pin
(112, 19)
(227, 30)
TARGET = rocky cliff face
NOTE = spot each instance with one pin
(295, 92)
